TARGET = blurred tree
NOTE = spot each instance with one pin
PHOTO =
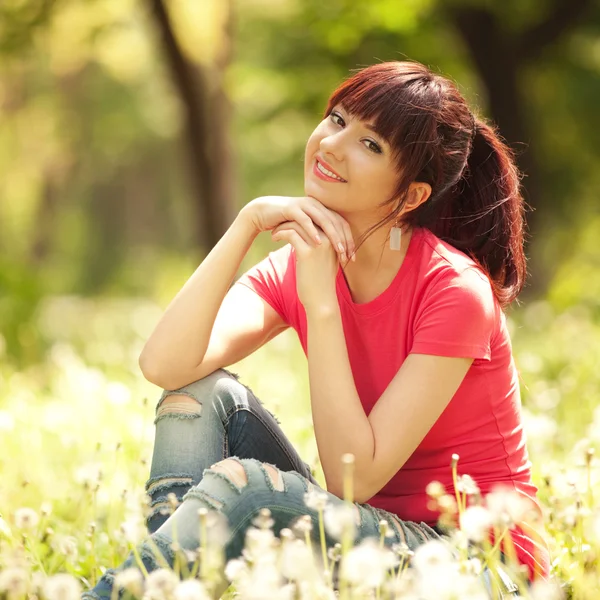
(207, 111)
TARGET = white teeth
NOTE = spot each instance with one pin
(324, 170)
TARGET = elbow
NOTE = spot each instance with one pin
(151, 373)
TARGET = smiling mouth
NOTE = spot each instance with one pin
(326, 174)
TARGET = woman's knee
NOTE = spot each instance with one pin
(188, 400)
(236, 469)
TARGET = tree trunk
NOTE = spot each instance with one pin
(204, 131)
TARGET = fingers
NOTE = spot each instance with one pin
(334, 226)
(307, 225)
(308, 238)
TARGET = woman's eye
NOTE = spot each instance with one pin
(335, 116)
(373, 146)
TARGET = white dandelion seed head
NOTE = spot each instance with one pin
(475, 522)
(507, 507)
(131, 580)
(316, 499)
(302, 525)
(161, 584)
(236, 569)
(26, 518)
(89, 475)
(46, 509)
(546, 590)
(133, 529)
(431, 556)
(263, 583)
(217, 529)
(297, 561)
(14, 581)
(447, 583)
(263, 520)
(65, 545)
(367, 563)
(191, 589)
(62, 587)
(340, 518)
(466, 484)
(259, 542)
(435, 489)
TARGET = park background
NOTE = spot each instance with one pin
(131, 134)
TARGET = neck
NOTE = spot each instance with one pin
(375, 252)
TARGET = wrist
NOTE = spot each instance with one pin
(245, 220)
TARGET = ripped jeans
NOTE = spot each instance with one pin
(225, 423)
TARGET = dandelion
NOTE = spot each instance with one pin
(236, 569)
(161, 584)
(475, 522)
(26, 518)
(263, 520)
(13, 581)
(62, 587)
(302, 526)
(297, 561)
(191, 589)
(435, 490)
(430, 556)
(466, 484)
(316, 500)
(131, 580)
(367, 564)
(545, 590)
(507, 507)
(133, 530)
(65, 545)
(217, 529)
(339, 519)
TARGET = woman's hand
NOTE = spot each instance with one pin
(313, 220)
(316, 267)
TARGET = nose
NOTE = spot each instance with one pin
(332, 145)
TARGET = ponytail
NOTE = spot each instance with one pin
(476, 203)
(483, 214)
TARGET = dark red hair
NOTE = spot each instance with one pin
(476, 203)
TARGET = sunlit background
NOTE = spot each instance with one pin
(133, 131)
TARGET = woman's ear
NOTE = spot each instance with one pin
(418, 192)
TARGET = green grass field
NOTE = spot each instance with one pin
(77, 432)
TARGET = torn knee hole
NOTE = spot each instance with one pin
(178, 404)
(234, 470)
(276, 477)
(166, 483)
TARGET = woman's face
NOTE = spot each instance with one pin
(346, 146)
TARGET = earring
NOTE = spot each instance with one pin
(395, 236)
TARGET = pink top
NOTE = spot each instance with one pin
(440, 303)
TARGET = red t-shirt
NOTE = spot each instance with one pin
(441, 303)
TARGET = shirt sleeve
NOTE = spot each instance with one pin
(273, 280)
(457, 317)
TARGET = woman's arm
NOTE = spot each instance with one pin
(405, 412)
(180, 340)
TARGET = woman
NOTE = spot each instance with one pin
(408, 352)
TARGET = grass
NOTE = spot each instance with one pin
(77, 435)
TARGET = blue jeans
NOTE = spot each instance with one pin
(228, 421)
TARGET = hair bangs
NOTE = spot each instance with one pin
(384, 99)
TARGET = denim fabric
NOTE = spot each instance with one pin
(228, 421)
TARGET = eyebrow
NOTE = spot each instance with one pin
(367, 125)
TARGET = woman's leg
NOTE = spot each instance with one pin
(238, 488)
(204, 422)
